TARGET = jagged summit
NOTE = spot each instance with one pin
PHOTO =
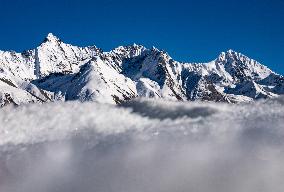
(231, 51)
(59, 71)
(228, 54)
(234, 55)
(51, 38)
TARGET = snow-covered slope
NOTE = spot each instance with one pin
(143, 145)
(58, 71)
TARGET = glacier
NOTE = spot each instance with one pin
(142, 145)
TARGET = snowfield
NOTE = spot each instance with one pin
(142, 146)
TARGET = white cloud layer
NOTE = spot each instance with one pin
(142, 146)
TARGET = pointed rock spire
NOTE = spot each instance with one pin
(51, 38)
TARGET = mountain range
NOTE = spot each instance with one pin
(56, 71)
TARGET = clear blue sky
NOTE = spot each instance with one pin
(189, 30)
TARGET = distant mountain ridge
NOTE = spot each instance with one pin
(56, 71)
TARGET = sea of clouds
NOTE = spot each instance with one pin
(142, 146)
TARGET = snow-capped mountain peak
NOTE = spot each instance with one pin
(230, 54)
(241, 66)
(51, 38)
(59, 71)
